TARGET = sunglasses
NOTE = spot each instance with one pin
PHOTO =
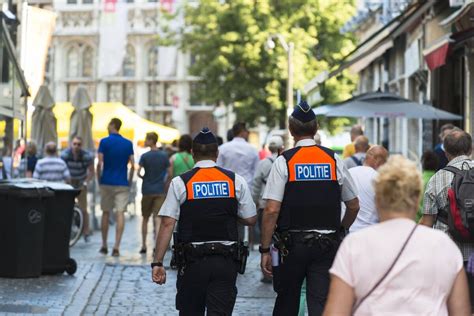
(77, 144)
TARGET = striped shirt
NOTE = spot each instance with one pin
(51, 169)
(77, 167)
(436, 199)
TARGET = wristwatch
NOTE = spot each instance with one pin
(263, 250)
(156, 264)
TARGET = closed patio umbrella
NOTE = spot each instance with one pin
(43, 121)
(389, 105)
(81, 119)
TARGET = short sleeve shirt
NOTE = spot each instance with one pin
(419, 283)
(278, 178)
(155, 163)
(117, 151)
(436, 198)
(177, 195)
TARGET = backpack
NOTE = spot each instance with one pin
(358, 162)
(460, 213)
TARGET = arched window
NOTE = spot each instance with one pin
(87, 61)
(153, 61)
(80, 61)
(128, 67)
(73, 62)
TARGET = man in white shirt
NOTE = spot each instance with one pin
(238, 155)
(363, 177)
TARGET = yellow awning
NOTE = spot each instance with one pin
(134, 127)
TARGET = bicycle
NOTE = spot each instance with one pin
(77, 226)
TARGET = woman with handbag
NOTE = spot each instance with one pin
(388, 268)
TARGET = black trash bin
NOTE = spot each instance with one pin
(57, 230)
(22, 221)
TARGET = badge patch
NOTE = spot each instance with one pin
(312, 171)
(209, 190)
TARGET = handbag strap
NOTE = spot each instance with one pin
(386, 273)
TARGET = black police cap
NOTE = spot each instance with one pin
(205, 137)
(303, 112)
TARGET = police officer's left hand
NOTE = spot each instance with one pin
(266, 264)
(158, 275)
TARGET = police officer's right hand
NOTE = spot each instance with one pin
(158, 275)
(266, 264)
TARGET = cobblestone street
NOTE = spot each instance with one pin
(104, 285)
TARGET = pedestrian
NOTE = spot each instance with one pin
(264, 152)
(81, 167)
(51, 167)
(364, 177)
(439, 148)
(31, 158)
(182, 161)
(429, 165)
(304, 192)
(416, 270)
(361, 145)
(349, 149)
(207, 202)
(458, 147)
(115, 154)
(276, 147)
(155, 163)
(238, 155)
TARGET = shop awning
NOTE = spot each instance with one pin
(134, 127)
(379, 104)
(436, 54)
(457, 17)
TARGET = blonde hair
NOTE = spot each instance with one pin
(398, 185)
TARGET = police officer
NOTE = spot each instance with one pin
(304, 192)
(208, 202)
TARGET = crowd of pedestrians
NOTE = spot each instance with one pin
(365, 233)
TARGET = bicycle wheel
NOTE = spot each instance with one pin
(77, 226)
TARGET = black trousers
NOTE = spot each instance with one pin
(310, 262)
(208, 283)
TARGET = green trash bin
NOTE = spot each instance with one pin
(57, 232)
(22, 228)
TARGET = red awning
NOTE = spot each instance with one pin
(437, 54)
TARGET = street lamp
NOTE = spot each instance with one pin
(289, 48)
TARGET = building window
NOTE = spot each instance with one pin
(72, 88)
(153, 61)
(195, 93)
(171, 93)
(128, 67)
(71, 1)
(87, 1)
(80, 61)
(155, 93)
(123, 92)
(160, 117)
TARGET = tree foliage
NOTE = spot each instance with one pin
(228, 41)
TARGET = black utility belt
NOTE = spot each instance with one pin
(304, 236)
(186, 253)
(209, 249)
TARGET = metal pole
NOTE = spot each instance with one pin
(289, 91)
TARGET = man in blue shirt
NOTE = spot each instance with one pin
(155, 163)
(115, 154)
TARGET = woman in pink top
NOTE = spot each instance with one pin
(427, 279)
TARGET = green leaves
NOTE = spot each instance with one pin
(230, 40)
